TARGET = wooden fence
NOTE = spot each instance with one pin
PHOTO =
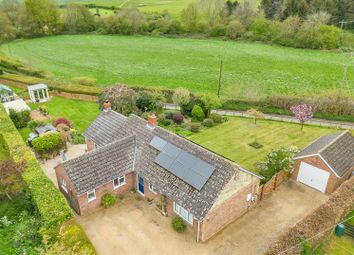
(272, 184)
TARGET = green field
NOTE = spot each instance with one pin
(231, 139)
(250, 69)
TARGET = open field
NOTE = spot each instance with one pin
(231, 139)
(250, 69)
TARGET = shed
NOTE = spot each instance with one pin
(38, 93)
(17, 105)
(326, 163)
(6, 94)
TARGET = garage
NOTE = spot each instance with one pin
(313, 176)
(326, 163)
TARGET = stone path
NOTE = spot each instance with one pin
(285, 118)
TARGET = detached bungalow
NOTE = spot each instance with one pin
(326, 163)
(206, 190)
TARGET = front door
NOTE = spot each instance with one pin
(140, 185)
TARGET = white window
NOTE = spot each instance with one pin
(63, 185)
(183, 213)
(152, 188)
(120, 181)
(91, 195)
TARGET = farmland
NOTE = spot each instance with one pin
(249, 69)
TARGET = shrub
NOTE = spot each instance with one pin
(145, 115)
(78, 138)
(216, 118)
(44, 110)
(1, 71)
(235, 29)
(108, 200)
(166, 122)
(144, 101)
(217, 30)
(181, 96)
(197, 113)
(62, 121)
(178, 224)
(178, 118)
(48, 143)
(20, 118)
(86, 81)
(208, 122)
(259, 30)
(195, 127)
(169, 115)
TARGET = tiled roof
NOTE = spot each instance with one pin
(104, 128)
(197, 202)
(337, 149)
(98, 167)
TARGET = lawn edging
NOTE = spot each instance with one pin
(46, 198)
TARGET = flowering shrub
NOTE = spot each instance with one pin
(178, 118)
(303, 113)
(276, 161)
(62, 121)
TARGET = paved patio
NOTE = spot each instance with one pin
(134, 226)
(73, 152)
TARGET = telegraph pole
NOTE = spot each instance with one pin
(220, 75)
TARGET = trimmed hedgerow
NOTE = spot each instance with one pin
(50, 204)
(47, 143)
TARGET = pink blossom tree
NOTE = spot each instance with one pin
(303, 113)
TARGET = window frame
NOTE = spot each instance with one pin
(63, 185)
(177, 209)
(152, 188)
(120, 184)
(88, 195)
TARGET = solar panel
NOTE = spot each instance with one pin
(158, 143)
(182, 164)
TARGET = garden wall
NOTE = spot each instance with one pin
(272, 184)
(318, 224)
(45, 197)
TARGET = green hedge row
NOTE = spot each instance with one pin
(46, 198)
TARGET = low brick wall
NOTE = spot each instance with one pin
(319, 224)
(272, 184)
(74, 96)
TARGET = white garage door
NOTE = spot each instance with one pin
(313, 176)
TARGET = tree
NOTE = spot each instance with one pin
(11, 183)
(280, 159)
(295, 8)
(190, 17)
(235, 29)
(7, 30)
(246, 13)
(181, 96)
(272, 8)
(255, 114)
(121, 97)
(11, 8)
(197, 113)
(42, 17)
(128, 21)
(303, 113)
(210, 102)
(144, 101)
(78, 19)
(211, 11)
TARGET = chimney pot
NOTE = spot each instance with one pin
(152, 120)
(106, 106)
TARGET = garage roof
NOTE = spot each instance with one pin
(336, 149)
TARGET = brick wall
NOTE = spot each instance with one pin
(316, 161)
(228, 211)
(90, 144)
(74, 96)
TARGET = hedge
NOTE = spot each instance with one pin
(46, 198)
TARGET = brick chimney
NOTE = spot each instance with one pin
(152, 120)
(106, 106)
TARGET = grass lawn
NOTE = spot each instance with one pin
(341, 246)
(80, 113)
(250, 69)
(231, 138)
(3, 152)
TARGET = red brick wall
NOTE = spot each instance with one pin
(273, 183)
(228, 211)
(74, 96)
(316, 161)
(90, 144)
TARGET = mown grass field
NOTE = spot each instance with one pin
(250, 69)
(231, 138)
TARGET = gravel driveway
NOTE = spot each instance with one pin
(133, 226)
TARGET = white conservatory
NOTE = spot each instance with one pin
(38, 93)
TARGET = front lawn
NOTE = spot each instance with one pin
(231, 138)
(80, 113)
